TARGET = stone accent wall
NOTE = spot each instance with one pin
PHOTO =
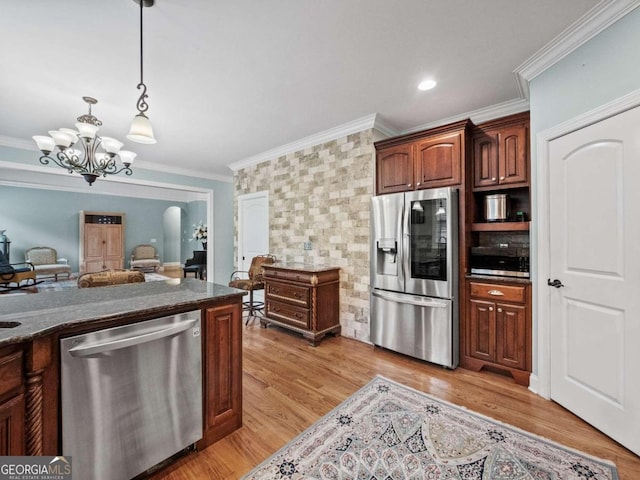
(322, 195)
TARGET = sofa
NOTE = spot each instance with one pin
(45, 262)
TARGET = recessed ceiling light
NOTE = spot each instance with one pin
(427, 85)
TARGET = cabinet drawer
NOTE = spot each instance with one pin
(298, 317)
(10, 372)
(498, 293)
(292, 294)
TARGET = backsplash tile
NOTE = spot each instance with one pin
(322, 195)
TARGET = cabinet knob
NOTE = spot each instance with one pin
(408, 184)
(501, 178)
(491, 309)
(499, 310)
(493, 179)
(418, 184)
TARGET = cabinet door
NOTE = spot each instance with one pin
(512, 155)
(114, 250)
(12, 426)
(222, 358)
(482, 330)
(93, 241)
(394, 169)
(485, 160)
(439, 161)
(511, 335)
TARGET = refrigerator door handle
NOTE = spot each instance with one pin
(411, 300)
(406, 243)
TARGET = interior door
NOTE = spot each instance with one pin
(253, 230)
(595, 258)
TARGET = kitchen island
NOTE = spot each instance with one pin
(32, 326)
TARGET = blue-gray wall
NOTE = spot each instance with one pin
(34, 217)
(222, 237)
(603, 69)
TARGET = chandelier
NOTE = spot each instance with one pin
(87, 158)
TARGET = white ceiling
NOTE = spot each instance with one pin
(228, 80)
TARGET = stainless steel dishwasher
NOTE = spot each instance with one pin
(131, 395)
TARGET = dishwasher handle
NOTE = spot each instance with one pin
(149, 336)
(419, 301)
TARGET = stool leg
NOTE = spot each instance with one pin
(250, 314)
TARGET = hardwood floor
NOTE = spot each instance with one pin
(288, 385)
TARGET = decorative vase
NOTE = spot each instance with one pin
(204, 244)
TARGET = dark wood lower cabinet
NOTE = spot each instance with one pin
(12, 402)
(30, 422)
(222, 362)
(498, 329)
(12, 426)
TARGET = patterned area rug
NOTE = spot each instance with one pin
(387, 431)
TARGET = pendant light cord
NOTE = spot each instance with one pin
(141, 49)
(142, 105)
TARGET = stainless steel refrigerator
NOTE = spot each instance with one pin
(414, 274)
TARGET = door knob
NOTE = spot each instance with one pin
(555, 283)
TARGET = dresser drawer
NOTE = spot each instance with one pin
(10, 371)
(498, 293)
(292, 276)
(297, 317)
(292, 294)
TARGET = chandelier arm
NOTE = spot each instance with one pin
(124, 169)
(71, 162)
(46, 159)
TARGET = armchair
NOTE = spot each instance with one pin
(145, 257)
(16, 273)
(45, 262)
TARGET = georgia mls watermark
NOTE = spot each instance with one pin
(35, 468)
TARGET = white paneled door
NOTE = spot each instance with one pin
(253, 229)
(594, 189)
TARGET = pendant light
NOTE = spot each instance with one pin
(141, 130)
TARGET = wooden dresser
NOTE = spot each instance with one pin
(303, 298)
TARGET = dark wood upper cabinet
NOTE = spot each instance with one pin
(439, 161)
(427, 159)
(500, 153)
(395, 169)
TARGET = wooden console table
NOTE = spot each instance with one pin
(303, 298)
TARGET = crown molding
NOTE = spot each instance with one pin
(601, 16)
(47, 178)
(481, 115)
(355, 126)
(148, 165)
(385, 128)
(20, 143)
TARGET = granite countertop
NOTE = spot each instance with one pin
(302, 266)
(42, 313)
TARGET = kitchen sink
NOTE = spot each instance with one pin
(9, 324)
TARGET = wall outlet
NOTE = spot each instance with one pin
(153, 240)
(307, 245)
